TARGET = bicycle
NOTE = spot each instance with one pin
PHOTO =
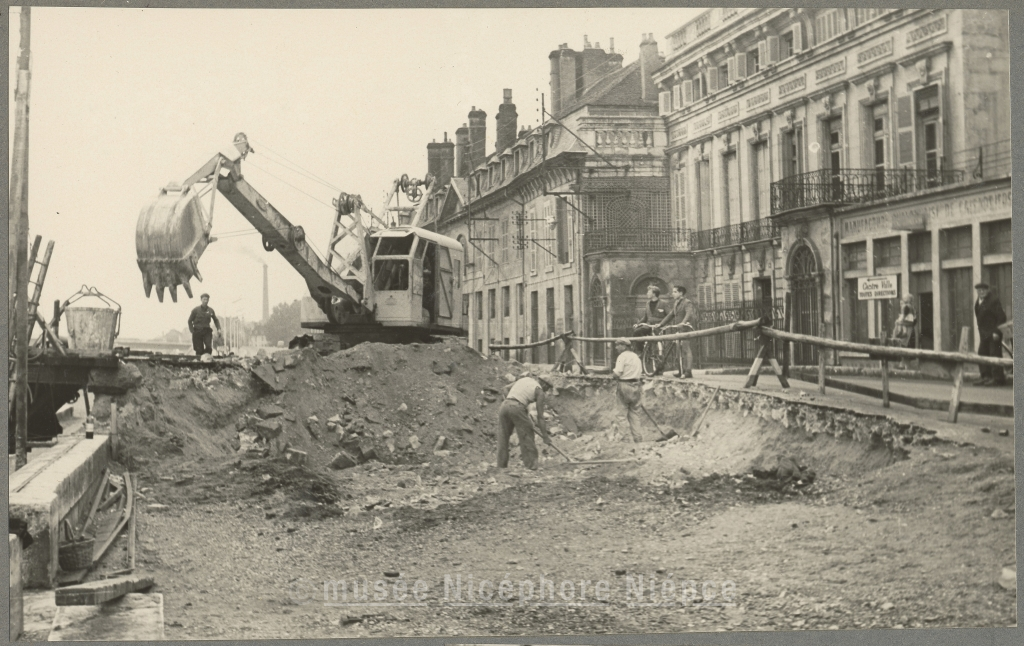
(658, 355)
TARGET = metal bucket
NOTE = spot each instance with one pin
(92, 329)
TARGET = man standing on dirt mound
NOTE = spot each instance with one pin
(515, 413)
(199, 325)
(628, 388)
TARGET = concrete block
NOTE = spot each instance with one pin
(17, 602)
(133, 617)
(55, 485)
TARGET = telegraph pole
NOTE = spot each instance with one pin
(19, 245)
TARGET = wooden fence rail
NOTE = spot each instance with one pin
(767, 334)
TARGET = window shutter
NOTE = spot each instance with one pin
(677, 96)
(905, 129)
(773, 50)
(798, 37)
(942, 127)
(687, 92)
(712, 80)
(664, 103)
(762, 53)
(741, 66)
(730, 71)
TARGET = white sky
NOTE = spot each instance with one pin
(124, 101)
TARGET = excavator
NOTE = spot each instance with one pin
(385, 281)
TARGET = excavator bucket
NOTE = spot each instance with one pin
(173, 231)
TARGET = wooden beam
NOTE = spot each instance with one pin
(696, 427)
(95, 593)
(958, 376)
(885, 377)
(892, 352)
(755, 368)
(821, 371)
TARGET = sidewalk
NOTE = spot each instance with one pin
(967, 429)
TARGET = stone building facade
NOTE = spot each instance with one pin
(810, 148)
(563, 223)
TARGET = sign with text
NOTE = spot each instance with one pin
(876, 287)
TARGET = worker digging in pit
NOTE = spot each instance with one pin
(515, 414)
(199, 325)
(627, 373)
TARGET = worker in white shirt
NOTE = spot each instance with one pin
(627, 372)
(514, 414)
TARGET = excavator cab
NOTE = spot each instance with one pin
(415, 279)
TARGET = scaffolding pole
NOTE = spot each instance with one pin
(19, 245)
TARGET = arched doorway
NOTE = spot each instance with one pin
(595, 322)
(803, 285)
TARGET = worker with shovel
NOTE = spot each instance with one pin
(515, 414)
(627, 372)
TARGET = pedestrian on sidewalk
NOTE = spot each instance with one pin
(680, 319)
(515, 414)
(199, 325)
(904, 332)
(627, 372)
(990, 315)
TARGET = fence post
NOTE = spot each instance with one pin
(885, 375)
(787, 314)
(958, 375)
(821, 371)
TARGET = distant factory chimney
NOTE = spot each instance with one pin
(266, 295)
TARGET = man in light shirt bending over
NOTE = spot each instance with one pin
(514, 414)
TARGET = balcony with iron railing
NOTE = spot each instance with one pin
(734, 234)
(985, 162)
(636, 239)
(856, 186)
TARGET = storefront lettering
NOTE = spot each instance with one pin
(679, 133)
(881, 50)
(829, 71)
(936, 213)
(795, 85)
(926, 31)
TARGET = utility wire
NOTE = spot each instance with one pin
(308, 173)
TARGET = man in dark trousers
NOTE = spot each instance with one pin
(654, 313)
(515, 414)
(990, 315)
(199, 325)
(680, 318)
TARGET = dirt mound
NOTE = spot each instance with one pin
(181, 413)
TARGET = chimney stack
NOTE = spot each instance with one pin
(477, 137)
(266, 295)
(441, 161)
(649, 61)
(462, 151)
(573, 73)
(507, 122)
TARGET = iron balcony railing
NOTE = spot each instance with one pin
(734, 234)
(855, 186)
(636, 239)
(989, 161)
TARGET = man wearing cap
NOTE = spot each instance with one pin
(627, 373)
(199, 325)
(515, 414)
(990, 315)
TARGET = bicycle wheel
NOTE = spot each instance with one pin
(674, 359)
(649, 359)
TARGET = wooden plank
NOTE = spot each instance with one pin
(104, 483)
(94, 593)
(958, 376)
(696, 427)
(104, 543)
(131, 530)
(821, 371)
(885, 376)
(71, 578)
(778, 372)
(755, 368)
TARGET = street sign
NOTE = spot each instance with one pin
(876, 287)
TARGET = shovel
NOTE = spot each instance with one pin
(552, 445)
